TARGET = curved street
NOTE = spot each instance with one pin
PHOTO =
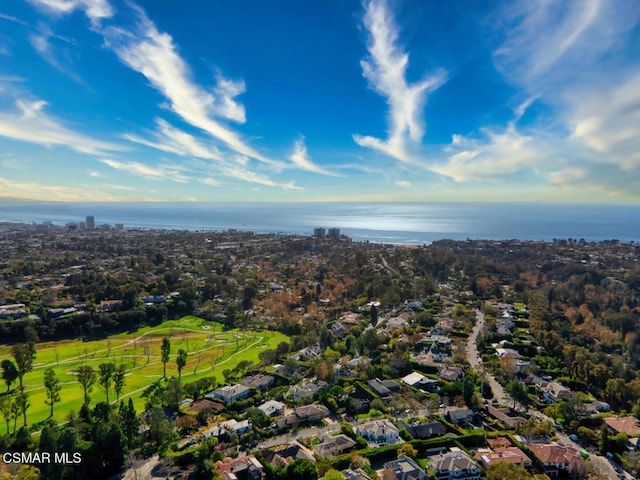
(601, 465)
(473, 357)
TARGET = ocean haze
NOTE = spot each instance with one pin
(405, 223)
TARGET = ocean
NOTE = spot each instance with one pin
(402, 223)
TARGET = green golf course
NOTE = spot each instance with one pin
(210, 348)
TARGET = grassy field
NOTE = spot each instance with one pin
(210, 351)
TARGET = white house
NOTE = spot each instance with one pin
(379, 431)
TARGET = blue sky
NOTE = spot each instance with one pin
(287, 100)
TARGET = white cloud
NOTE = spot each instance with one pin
(172, 140)
(497, 155)
(13, 19)
(94, 9)
(154, 55)
(253, 177)
(32, 125)
(95, 174)
(160, 172)
(300, 159)
(58, 193)
(385, 69)
(210, 181)
(607, 121)
(60, 61)
(403, 184)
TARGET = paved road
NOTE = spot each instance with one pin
(473, 357)
(601, 464)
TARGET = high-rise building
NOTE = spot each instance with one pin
(90, 223)
(119, 226)
(319, 232)
(334, 232)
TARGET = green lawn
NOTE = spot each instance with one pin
(210, 351)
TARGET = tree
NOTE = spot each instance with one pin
(373, 314)
(130, 422)
(172, 394)
(9, 373)
(408, 450)
(5, 409)
(333, 474)
(53, 387)
(87, 378)
(119, 380)
(15, 414)
(507, 471)
(181, 361)
(105, 376)
(24, 355)
(22, 400)
(165, 351)
(518, 392)
(302, 469)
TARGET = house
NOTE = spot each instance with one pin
(555, 391)
(357, 474)
(307, 392)
(334, 446)
(338, 330)
(259, 381)
(241, 468)
(597, 406)
(628, 425)
(404, 468)
(449, 373)
(230, 393)
(417, 380)
(309, 353)
(455, 464)
(423, 430)
(379, 431)
(460, 417)
(359, 400)
(311, 413)
(383, 388)
(227, 429)
(506, 416)
(109, 305)
(557, 459)
(508, 455)
(393, 324)
(205, 405)
(272, 408)
(293, 451)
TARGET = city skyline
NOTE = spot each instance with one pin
(104, 100)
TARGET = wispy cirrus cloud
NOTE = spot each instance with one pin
(60, 60)
(300, 158)
(31, 124)
(253, 177)
(155, 55)
(170, 172)
(60, 193)
(546, 43)
(386, 69)
(594, 132)
(172, 140)
(95, 10)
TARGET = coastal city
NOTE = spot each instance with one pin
(244, 356)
